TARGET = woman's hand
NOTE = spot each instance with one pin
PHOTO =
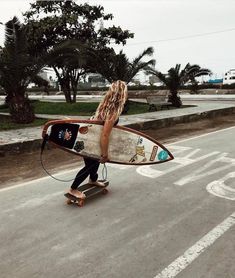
(104, 159)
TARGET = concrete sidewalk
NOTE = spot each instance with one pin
(99, 97)
(15, 141)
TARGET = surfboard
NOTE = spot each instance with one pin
(126, 145)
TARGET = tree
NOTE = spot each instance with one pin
(175, 78)
(69, 61)
(41, 82)
(114, 66)
(17, 69)
(194, 71)
(66, 20)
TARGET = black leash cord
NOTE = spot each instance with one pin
(104, 170)
(49, 174)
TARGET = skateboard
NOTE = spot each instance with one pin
(89, 191)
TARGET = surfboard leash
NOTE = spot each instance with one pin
(104, 172)
(44, 142)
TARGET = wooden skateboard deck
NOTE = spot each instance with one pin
(89, 191)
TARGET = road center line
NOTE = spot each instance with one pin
(31, 182)
(197, 249)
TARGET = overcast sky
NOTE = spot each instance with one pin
(159, 23)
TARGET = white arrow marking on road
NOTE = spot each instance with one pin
(181, 162)
(204, 172)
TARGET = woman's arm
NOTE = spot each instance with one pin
(104, 139)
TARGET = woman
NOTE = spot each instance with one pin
(108, 111)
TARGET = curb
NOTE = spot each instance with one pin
(167, 122)
(20, 147)
(34, 145)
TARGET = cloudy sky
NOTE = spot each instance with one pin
(181, 31)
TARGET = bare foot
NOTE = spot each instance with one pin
(77, 193)
(97, 183)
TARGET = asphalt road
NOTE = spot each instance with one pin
(177, 218)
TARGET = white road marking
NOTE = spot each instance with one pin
(219, 189)
(181, 162)
(197, 249)
(120, 166)
(66, 172)
(204, 170)
(58, 175)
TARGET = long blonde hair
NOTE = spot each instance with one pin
(113, 102)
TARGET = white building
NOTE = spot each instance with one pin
(229, 77)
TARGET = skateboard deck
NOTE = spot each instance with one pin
(88, 190)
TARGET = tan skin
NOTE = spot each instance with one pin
(104, 139)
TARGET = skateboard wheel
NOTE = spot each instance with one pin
(81, 203)
(69, 202)
(105, 191)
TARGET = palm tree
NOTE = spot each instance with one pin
(194, 71)
(114, 66)
(17, 70)
(175, 78)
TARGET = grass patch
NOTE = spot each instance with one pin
(7, 124)
(137, 108)
(81, 108)
(63, 108)
(76, 109)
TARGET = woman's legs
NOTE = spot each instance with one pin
(90, 168)
(94, 166)
(93, 172)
